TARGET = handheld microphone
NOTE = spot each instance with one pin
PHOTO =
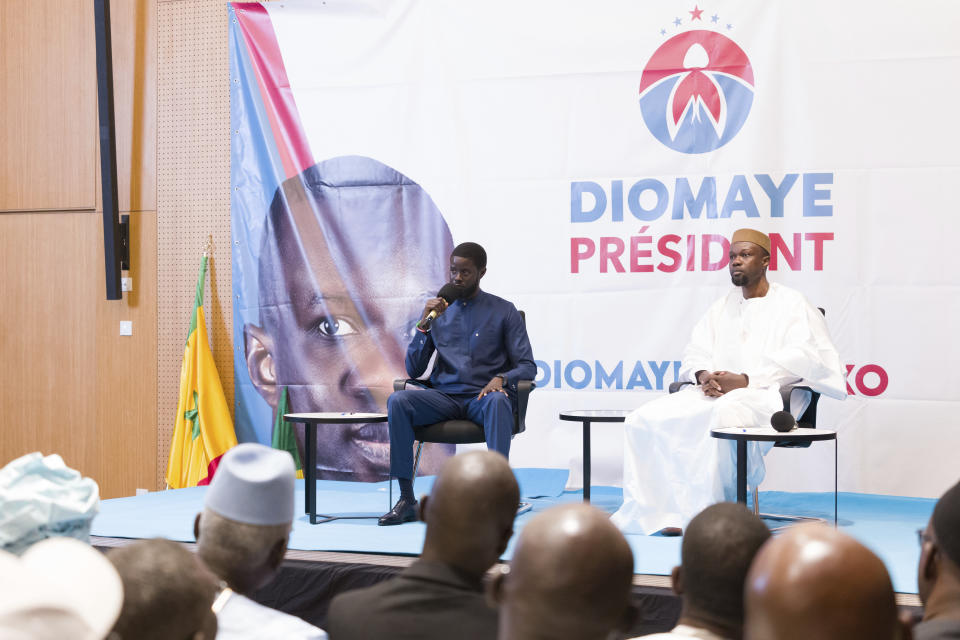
(449, 292)
(782, 421)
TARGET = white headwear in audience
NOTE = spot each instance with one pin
(42, 497)
(253, 484)
(59, 588)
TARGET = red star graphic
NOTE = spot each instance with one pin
(696, 13)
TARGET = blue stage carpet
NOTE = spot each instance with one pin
(886, 524)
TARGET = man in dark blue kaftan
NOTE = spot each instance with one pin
(481, 349)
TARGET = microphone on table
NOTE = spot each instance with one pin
(450, 293)
(782, 421)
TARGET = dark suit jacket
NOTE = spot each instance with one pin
(428, 600)
(937, 630)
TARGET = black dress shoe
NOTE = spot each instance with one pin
(404, 511)
(671, 532)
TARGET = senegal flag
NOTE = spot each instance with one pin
(204, 430)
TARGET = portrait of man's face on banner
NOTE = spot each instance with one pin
(351, 250)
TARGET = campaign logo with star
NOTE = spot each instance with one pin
(697, 88)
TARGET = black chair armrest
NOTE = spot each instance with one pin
(808, 418)
(524, 387)
(399, 384)
(679, 384)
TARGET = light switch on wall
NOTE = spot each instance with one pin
(126, 327)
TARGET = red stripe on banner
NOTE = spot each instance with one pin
(275, 89)
(211, 469)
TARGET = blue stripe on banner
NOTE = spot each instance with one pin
(256, 172)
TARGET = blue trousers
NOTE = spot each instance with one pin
(409, 409)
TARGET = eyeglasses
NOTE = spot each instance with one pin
(922, 537)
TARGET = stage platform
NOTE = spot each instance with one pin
(325, 559)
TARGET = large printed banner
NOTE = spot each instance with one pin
(603, 153)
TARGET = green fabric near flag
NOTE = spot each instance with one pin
(198, 297)
(283, 437)
(193, 416)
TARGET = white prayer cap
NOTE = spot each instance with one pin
(59, 588)
(253, 484)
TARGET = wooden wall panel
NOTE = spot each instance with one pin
(135, 89)
(193, 193)
(126, 389)
(48, 102)
(71, 384)
(47, 335)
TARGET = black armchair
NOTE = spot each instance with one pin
(463, 431)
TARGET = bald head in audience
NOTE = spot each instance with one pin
(167, 593)
(569, 578)
(469, 516)
(815, 582)
(470, 511)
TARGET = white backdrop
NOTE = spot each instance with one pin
(501, 110)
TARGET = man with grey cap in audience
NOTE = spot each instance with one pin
(938, 575)
(242, 537)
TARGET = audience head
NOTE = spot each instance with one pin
(570, 577)
(248, 512)
(470, 511)
(59, 588)
(167, 593)
(718, 546)
(40, 497)
(815, 582)
(938, 574)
